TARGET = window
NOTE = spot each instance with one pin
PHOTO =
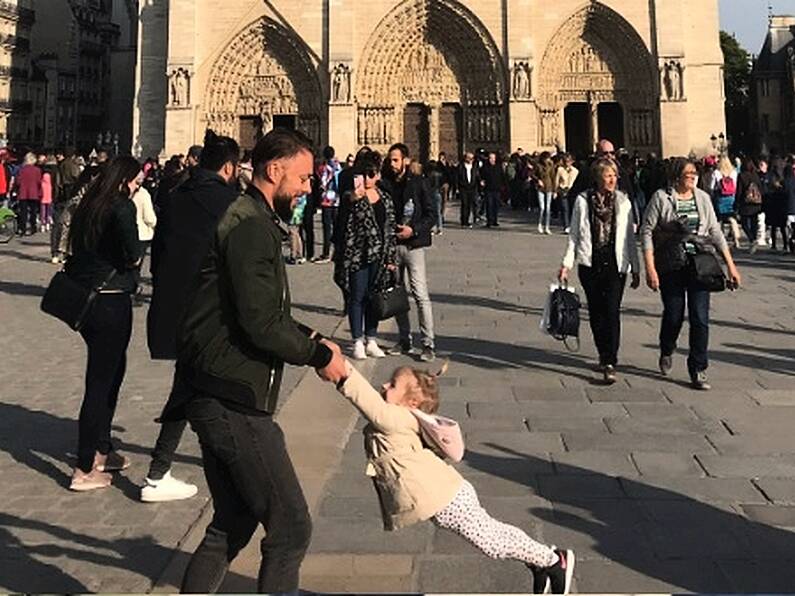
(765, 123)
(764, 87)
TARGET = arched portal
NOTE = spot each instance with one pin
(431, 71)
(598, 80)
(264, 77)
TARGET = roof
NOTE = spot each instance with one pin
(775, 52)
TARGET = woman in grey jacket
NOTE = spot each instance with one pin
(694, 208)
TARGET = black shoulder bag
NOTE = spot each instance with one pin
(67, 300)
(390, 302)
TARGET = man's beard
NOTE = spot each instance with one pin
(283, 206)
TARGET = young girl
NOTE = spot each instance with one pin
(414, 484)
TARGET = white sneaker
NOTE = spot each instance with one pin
(359, 352)
(167, 488)
(540, 229)
(373, 350)
(547, 231)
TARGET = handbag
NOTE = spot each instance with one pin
(441, 433)
(706, 272)
(561, 318)
(390, 302)
(67, 300)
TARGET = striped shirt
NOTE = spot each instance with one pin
(687, 210)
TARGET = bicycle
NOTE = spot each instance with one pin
(8, 225)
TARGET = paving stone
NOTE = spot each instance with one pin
(560, 394)
(461, 573)
(758, 443)
(621, 394)
(774, 397)
(701, 489)
(760, 577)
(773, 515)
(367, 537)
(666, 464)
(781, 491)
(650, 576)
(542, 409)
(723, 466)
(652, 426)
(555, 488)
(357, 584)
(636, 442)
(520, 443)
(565, 424)
(594, 462)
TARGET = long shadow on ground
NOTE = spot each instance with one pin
(657, 532)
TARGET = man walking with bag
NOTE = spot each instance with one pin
(234, 340)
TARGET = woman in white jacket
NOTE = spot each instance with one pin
(146, 219)
(602, 242)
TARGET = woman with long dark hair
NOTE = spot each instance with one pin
(105, 251)
(367, 260)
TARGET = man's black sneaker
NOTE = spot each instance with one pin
(428, 354)
(562, 572)
(700, 382)
(401, 347)
(666, 364)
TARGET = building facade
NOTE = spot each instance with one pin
(773, 88)
(16, 19)
(441, 75)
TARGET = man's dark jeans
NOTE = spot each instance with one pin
(252, 481)
(468, 203)
(492, 207)
(328, 215)
(674, 289)
(170, 431)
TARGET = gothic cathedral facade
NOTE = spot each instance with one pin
(440, 75)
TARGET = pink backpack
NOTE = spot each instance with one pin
(443, 433)
(727, 186)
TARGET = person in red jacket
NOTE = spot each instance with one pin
(28, 183)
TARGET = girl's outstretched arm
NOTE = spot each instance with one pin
(385, 417)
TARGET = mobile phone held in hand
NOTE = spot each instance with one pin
(358, 182)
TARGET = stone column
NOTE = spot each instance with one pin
(180, 119)
(434, 131)
(594, 127)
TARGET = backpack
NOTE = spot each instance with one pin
(563, 317)
(727, 186)
(442, 435)
(753, 196)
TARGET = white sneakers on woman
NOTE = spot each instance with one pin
(371, 349)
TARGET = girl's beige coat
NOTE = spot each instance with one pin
(413, 483)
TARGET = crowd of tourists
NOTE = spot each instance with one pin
(221, 228)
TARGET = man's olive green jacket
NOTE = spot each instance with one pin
(237, 331)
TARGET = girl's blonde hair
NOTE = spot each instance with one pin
(425, 386)
(29, 159)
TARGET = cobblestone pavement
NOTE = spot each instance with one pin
(658, 488)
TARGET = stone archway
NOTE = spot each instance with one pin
(433, 62)
(263, 75)
(597, 59)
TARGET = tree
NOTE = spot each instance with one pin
(737, 81)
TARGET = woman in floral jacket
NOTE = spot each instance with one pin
(367, 262)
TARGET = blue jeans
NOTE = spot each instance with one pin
(675, 289)
(545, 212)
(492, 206)
(361, 320)
(437, 205)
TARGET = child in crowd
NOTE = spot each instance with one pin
(414, 484)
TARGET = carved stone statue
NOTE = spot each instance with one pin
(341, 84)
(521, 80)
(676, 80)
(179, 86)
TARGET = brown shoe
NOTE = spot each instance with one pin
(112, 462)
(82, 482)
